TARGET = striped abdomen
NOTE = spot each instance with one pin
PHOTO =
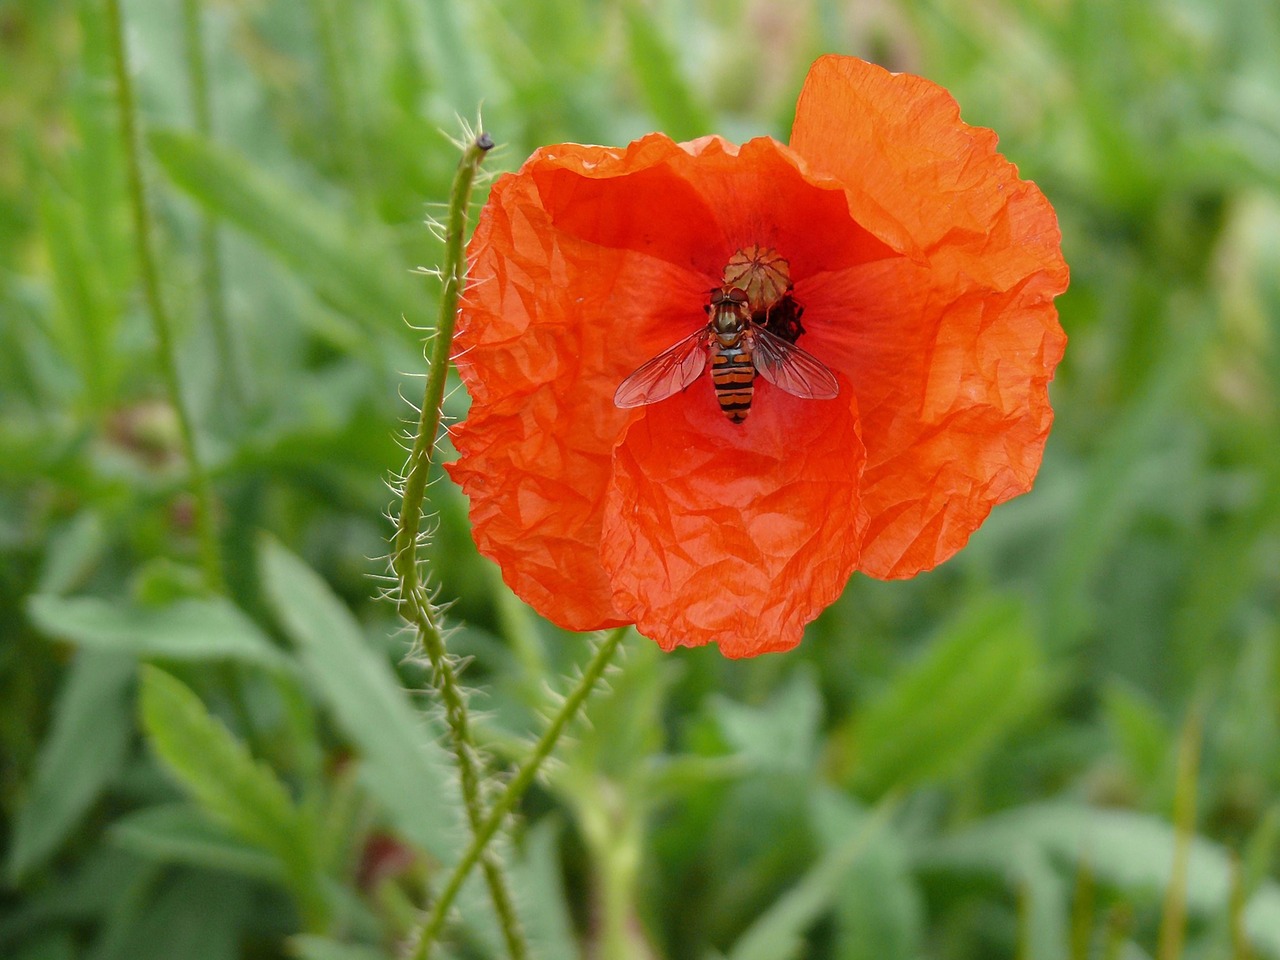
(734, 374)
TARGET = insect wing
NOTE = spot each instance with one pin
(666, 374)
(789, 368)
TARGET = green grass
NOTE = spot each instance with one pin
(1053, 747)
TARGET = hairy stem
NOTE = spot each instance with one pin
(418, 611)
(200, 486)
(509, 797)
(415, 604)
(409, 522)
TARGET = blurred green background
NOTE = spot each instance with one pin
(1062, 744)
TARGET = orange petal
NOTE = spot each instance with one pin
(950, 352)
(541, 345)
(587, 262)
(696, 204)
(735, 534)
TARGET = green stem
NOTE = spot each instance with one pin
(415, 605)
(418, 611)
(405, 560)
(200, 486)
(613, 828)
(515, 790)
(210, 252)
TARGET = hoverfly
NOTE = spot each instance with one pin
(738, 348)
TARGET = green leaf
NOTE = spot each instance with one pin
(1124, 476)
(86, 332)
(243, 795)
(540, 896)
(53, 946)
(667, 94)
(92, 725)
(215, 767)
(97, 174)
(972, 685)
(185, 630)
(310, 947)
(195, 916)
(359, 276)
(1139, 729)
(879, 908)
(72, 552)
(1262, 919)
(620, 732)
(677, 778)
(1044, 901)
(778, 932)
(88, 888)
(179, 833)
(404, 766)
(784, 732)
(1130, 851)
(448, 36)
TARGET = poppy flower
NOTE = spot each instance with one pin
(889, 243)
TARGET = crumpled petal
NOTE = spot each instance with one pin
(950, 349)
(584, 264)
(696, 204)
(926, 271)
(540, 346)
(733, 534)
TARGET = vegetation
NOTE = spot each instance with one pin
(1062, 744)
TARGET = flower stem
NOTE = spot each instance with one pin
(415, 604)
(200, 486)
(515, 790)
(405, 557)
(613, 830)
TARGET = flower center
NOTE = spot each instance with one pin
(765, 277)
